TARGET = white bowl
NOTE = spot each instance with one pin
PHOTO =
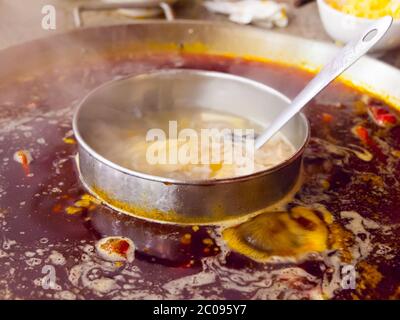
(343, 27)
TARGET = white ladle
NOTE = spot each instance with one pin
(348, 55)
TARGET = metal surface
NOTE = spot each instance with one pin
(346, 57)
(185, 201)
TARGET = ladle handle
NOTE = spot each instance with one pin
(349, 54)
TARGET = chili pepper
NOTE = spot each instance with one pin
(362, 133)
(24, 158)
(327, 118)
(121, 247)
(382, 117)
(116, 249)
(117, 246)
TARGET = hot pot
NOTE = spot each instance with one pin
(35, 216)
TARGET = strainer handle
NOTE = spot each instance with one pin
(348, 55)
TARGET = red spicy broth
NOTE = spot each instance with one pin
(47, 221)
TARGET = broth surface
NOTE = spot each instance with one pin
(220, 153)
